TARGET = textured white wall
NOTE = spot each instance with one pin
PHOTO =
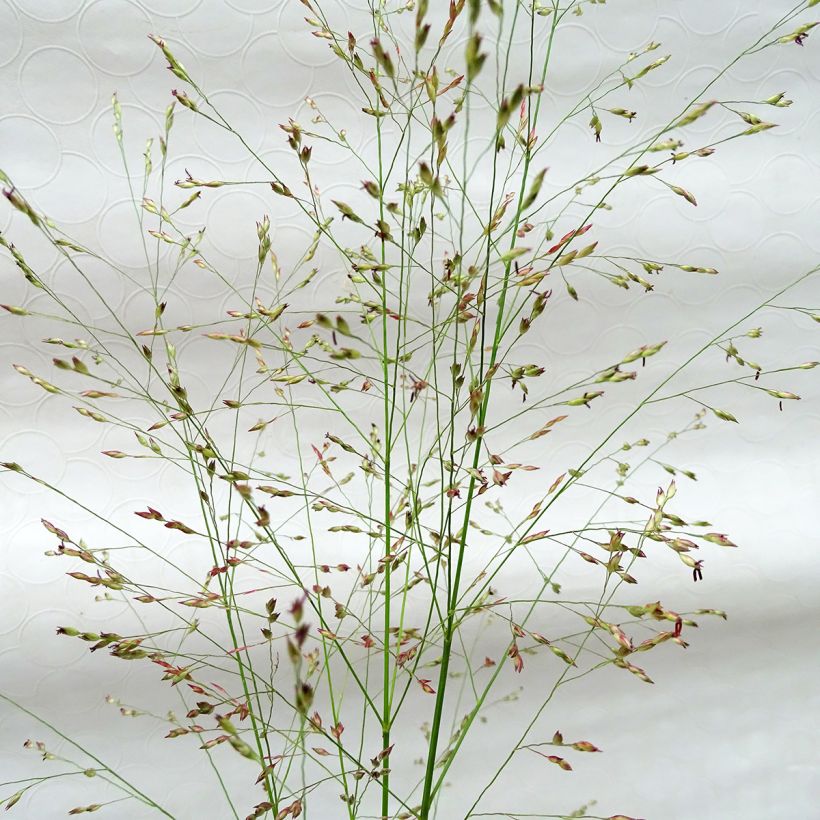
(729, 731)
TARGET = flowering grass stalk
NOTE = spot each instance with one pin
(333, 610)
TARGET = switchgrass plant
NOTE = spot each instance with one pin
(374, 527)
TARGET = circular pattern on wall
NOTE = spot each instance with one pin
(160, 7)
(11, 34)
(50, 11)
(30, 150)
(721, 17)
(37, 635)
(255, 6)
(12, 590)
(77, 194)
(676, 233)
(735, 234)
(24, 556)
(220, 40)
(57, 85)
(113, 37)
(232, 217)
(790, 185)
(576, 61)
(640, 30)
(39, 453)
(243, 115)
(757, 210)
(263, 63)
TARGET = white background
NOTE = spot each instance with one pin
(730, 728)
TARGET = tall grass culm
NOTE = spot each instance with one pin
(390, 499)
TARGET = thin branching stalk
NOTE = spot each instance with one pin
(359, 589)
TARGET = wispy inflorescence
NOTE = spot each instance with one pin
(348, 619)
